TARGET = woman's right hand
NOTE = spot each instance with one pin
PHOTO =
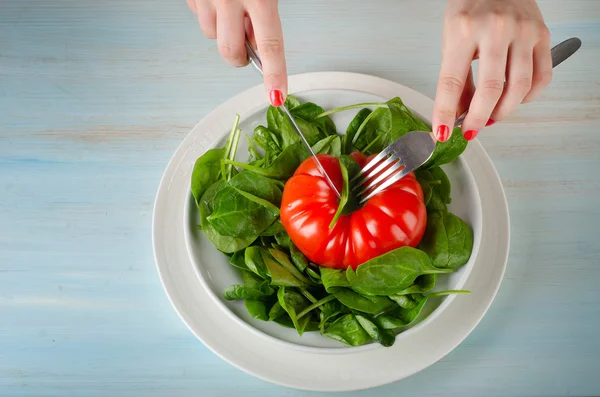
(232, 21)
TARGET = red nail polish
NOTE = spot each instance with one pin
(443, 133)
(490, 123)
(470, 135)
(276, 98)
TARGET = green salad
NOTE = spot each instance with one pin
(313, 262)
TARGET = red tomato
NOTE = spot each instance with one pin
(391, 219)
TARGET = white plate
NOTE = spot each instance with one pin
(194, 274)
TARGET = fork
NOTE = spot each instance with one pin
(412, 150)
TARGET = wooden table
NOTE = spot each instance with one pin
(96, 95)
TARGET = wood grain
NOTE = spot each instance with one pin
(96, 95)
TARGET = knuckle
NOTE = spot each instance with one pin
(543, 33)
(545, 77)
(463, 22)
(264, 3)
(498, 21)
(225, 3)
(272, 79)
(452, 85)
(446, 115)
(476, 122)
(233, 54)
(493, 86)
(522, 84)
(270, 47)
(526, 29)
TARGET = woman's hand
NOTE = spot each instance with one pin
(231, 21)
(512, 43)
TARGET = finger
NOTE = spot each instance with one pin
(269, 40)
(519, 79)
(542, 67)
(490, 85)
(467, 94)
(456, 64)
(250, 32)
(207, 18)
(231, 33)
(192, 5)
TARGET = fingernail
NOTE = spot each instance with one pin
(276, 98)
(443, 133)
(490, 123)
(470, 135)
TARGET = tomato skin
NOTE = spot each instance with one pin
(391, 219)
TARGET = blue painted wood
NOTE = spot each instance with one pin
(96, 95)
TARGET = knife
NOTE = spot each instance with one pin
(563, 50)
(255, 61)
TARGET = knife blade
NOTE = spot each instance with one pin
(256, 62)
(563, 50)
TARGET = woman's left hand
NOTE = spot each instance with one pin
(512, 43)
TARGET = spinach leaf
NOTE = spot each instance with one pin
(436, 187)
(207, 171)
(258, 309)
(401, 317)
(348, 330)
(293, 303)
(267, 140)
(224, 244)
(279, 274)
(253, 259)
(367, 304)
(278, 122)
(313, 275)
(392, 272)
(448, 151)
(298, 258)
(384, 336)
(331, 145)
(284, 261)
(237, 260)
(283, 240)
(333, 278)
(246, 206)
(280, 316)
(276, 311)
(291, 102)
(283, 166)
(343, 196)
(238, 291)
(443, 188)
(331, 310)
(405, 301)
(373, 129)
(240, 214)
(436, 203)
(350, 164)
(308, 112)
(425, 179)
(448, 240)
(422, 284)
(254, 288)
(356, 122)
(275, 228)
(257, 185)
(385, 126)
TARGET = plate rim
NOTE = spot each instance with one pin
(254, 98)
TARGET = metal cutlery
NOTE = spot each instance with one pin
(256, 62)
(412, 150)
